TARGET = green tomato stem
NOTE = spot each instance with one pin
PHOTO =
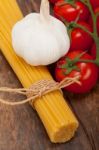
(86, 61)
(97, 50)
(95, 32)
(84, 2)
(73, 62)
(94, 17)
(83, 28)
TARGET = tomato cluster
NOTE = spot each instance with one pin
(81, 41)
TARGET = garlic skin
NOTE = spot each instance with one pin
(39, 38)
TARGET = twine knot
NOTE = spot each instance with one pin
(38, 90)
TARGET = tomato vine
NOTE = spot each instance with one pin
(93, 34)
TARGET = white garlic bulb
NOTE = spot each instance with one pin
(39, 38)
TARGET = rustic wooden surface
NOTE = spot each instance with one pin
(21, 128)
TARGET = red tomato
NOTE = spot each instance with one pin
(81, 39)
(93, 51)
(90, 20)
(94, 3)
(53, 1)
(88, 73)
(69, 13)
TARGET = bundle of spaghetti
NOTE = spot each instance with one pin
(59, 121)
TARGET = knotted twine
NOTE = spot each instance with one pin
(38, 89)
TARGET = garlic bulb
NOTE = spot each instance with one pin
(39, 38)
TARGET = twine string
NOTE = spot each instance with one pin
(37, 90)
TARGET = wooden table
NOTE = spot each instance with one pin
(21, 128)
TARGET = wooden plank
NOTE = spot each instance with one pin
(21, 128)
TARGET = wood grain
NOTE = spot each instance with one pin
(21, 128)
